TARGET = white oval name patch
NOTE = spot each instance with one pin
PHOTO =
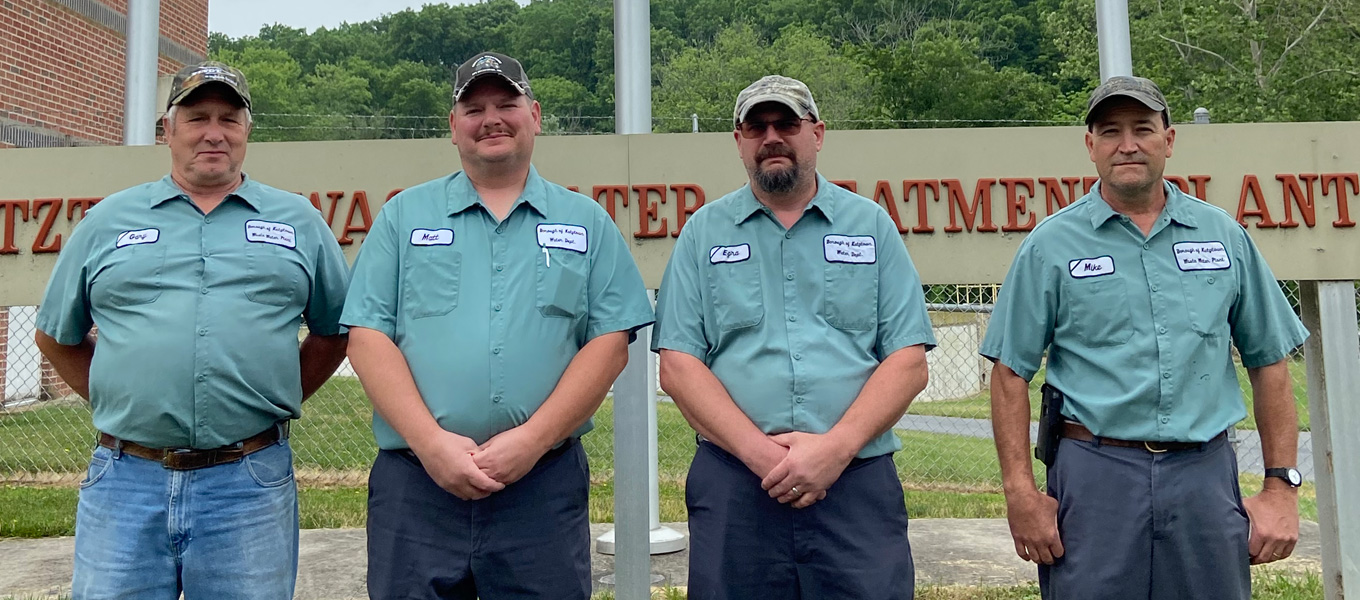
(140, 236)
(431, 237)
(1082, 268)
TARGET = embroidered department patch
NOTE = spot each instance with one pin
(566, 237)
(268, 232)
(853, 249)
(1201, 256)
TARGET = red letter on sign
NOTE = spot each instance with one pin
(610, 193)
(1339, 180)
(12, 207)
(647, 210)
(883, 195)
(1017, 203)
(46, 228)
(682, 208)
(921, 185)
(1053, 192)
(1294, 195)
(360, 202)
(1252, 187)
(982, 203)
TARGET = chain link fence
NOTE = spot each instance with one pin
(46, 435)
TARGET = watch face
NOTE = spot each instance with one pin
(1295, 479)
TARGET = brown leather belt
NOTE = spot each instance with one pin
(188, 459)
(1077, 431)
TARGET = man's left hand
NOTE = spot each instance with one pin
(1274, 517)
(814, 463)
(509, 455)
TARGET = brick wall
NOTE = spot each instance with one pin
(62, 66)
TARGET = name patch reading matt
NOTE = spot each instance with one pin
(853, 249)
(431, 237)
(729, 254)
(1201, 256)
(1082, 268)
(266, 232)
(566, 237)
(140, 236)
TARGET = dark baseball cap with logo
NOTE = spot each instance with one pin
(1143, 90)
(189, 79)
(491, 63)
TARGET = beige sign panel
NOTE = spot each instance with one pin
(963, 198)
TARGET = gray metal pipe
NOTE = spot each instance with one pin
(143, 50)
(632, 66)
(1112, 31)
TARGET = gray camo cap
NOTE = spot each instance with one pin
(776, 88)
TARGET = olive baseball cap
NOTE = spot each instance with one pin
(491, 63)
(776, 88)
(1140, 89)
(192, 77)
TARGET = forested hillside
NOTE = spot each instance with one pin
(871, 63)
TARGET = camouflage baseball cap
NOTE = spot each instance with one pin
(1138, 88)
(491, 63)
(776, 88)
(192, 77)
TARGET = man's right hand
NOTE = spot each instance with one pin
(1033, 517)
(447, 458)
(762, 458)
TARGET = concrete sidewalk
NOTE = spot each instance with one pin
(332, 561)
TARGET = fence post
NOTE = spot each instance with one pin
(1333, 360)
(632, 552)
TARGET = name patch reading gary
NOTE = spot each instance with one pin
(729, 254)
(1082, 268)
(140, 236)
(266, 232)
(1201, 256)
(853, 249)
(431, 237)
(566, 237)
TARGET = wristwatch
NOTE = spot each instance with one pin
(1290, 475)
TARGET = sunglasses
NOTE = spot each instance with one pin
(784, 127)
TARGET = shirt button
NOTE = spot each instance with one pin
(202, 378)
(1147, 246)
(500, 267)
(204, 290)
(202, 332)
(1211, 280)
(1154, 287)
(1161, 329)
(1166, 419)
(798, 399)
(496, 398)
(497, 307)
(495, 350)
(1166, 374)
(797, 356)
(789, 277)
(793, 318)
(207, 219)
(788, 236)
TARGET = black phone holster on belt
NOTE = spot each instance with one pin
(1050, 425)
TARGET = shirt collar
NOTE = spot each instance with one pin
(1177, 207)
(462, 195)
(747, 204)
(166, 190)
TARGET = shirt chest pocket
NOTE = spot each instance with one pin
(561, 283)
(431, 278)
(851, 296)
(738, 300)
(133, 277)
(1099, 311)
(1208, 297)
(275, 274)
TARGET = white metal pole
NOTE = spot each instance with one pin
(142, 51)
(1112, 31)
(1333, 355)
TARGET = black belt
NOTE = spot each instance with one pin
(189, 459)
(1077, 431)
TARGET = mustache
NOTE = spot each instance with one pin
(488, 132)
(773, 151)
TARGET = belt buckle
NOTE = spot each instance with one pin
(176, 460)
(1149, 447)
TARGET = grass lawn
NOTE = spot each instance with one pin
(979, 406)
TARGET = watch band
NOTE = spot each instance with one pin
(1290, 475)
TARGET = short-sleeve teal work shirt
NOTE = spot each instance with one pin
(793, 321)
(1138, 329)
(198, 315)
(489, 314)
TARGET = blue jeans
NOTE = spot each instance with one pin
(228, 532)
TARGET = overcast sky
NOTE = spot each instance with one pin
(237, 18)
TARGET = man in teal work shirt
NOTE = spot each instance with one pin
(198, 284)
(490, 312)
(1137, 291)
(792, 331)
